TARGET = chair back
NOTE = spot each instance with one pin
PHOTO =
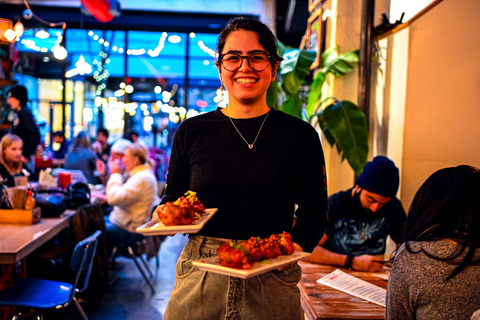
(82, 260)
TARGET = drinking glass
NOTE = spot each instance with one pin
(64, 178)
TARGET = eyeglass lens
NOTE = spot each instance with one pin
(233, 61)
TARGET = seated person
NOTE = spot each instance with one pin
(132, 199)
(101, 146)
(81, 157)
(11, 164)
(436, 270)
(361, 218)
(135, 138)
(116, 153)
(62, 144)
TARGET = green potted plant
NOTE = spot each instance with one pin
(342, 122)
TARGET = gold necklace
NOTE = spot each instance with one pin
(250, 145)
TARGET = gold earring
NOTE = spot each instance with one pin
(222, 89)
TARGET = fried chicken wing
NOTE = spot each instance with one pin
(172, 214)
(234, 255)
(181, 211)
(285, 242)
(243, 254)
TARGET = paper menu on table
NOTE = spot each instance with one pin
(357, 287)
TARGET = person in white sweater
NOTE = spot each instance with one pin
(133, 198)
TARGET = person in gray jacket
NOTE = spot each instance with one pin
(81, 157)
(436, 271)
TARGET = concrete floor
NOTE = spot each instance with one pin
(130, 297)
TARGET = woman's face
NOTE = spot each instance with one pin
(245, 86)
(129, 161)
(13, 153)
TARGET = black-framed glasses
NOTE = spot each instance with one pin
(233, 61)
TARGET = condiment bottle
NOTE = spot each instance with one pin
(29, 202)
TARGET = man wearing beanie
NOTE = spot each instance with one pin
(361, 218)
(25, 126)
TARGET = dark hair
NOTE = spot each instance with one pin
(59, 134)
(447, 207)
(20, 93)
(265, 35)
(81, 141)
(104, 131)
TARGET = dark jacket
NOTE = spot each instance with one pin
(6, 175)
(62, 152)
(25, 126)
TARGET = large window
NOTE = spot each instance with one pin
(123, 80)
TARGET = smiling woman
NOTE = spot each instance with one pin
(239, 159)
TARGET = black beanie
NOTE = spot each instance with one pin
(21, 93)
(380, 176)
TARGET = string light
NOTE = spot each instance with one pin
(206, 49)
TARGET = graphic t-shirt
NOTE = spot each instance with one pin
(353, 230)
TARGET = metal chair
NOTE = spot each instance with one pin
(134, 251)
(41, 294)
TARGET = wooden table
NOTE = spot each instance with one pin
(18, 241)
(323, 302)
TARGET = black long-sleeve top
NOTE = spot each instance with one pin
(255, 190)
(25, 126)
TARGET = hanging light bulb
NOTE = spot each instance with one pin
(18, 28)
(82, 66)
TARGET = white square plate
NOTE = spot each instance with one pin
(211, 264)
(156, 227)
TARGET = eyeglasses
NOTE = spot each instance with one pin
(233, 61)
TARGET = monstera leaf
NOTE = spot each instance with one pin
(333, 63)
(345, 127)
(294, 68)
(338, 64)
(291, 74)
(342, 122)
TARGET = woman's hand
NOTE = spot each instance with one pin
(115, 166)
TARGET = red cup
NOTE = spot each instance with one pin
(64, 178)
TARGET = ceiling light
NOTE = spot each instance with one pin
(83, 66)
(18, 28)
